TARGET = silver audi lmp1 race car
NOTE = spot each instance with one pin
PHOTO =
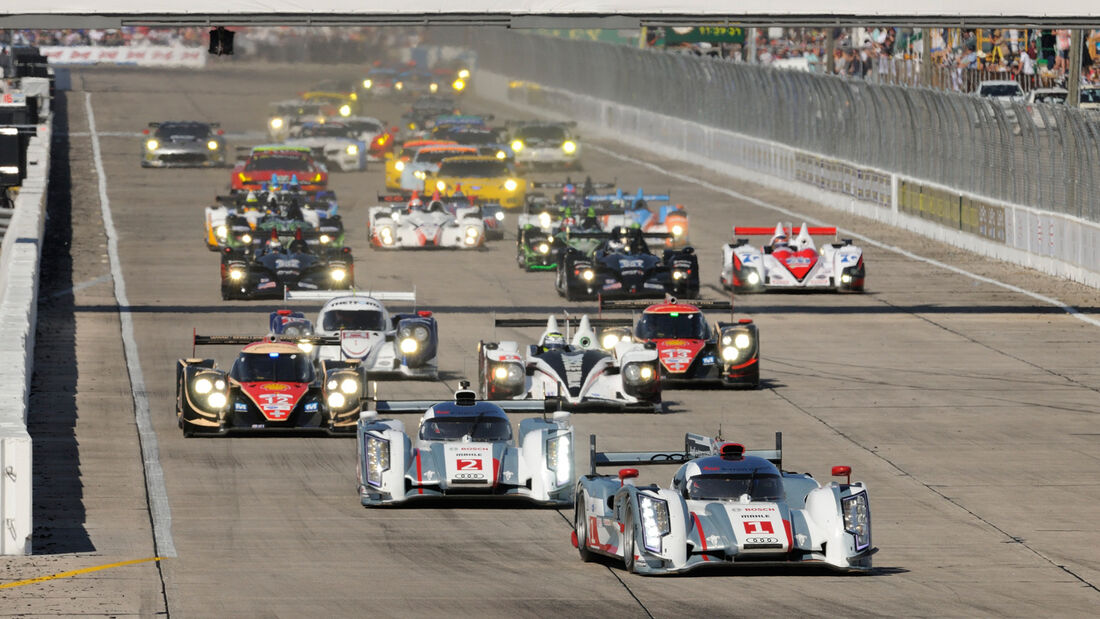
(725, 506)
(465, 448)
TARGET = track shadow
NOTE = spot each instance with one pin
(59, 513)
(746, 569)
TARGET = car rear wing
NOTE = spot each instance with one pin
(587, 183)
(540, 123)
(788, 230)
(695, 446)
(608, 235)
(567, 319)
(419, 406)
(392, 197)
(630, 198)
(325, 295)
(624, 304)
(244, 340)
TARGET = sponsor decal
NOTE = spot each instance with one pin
(275, 406)
(311, 407)
(573, 366)
(275, 387)
(356, 344)
(760, 526)
(676, 355)
(631, 263)
(265, 285)
(240, 407)
(709, 360)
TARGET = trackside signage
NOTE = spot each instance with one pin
(142, 56)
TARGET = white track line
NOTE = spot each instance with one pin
(159, 509)
(1072, 311)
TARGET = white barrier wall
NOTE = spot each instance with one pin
(143, 56)
(1060, 245)
(19, 267)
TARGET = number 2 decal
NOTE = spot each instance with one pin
(468, 465)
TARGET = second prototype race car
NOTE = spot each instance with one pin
(622, 266)
(267, 268)
(183, 143)
(575, 370)
(792, 264)
(431, 226)
(465, 449)
(725, 506)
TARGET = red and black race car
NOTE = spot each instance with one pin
(692, 351)
(273, 385)
(281, 164)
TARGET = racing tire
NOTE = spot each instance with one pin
(580, 526)
(629, 541)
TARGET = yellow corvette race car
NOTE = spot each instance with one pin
(490, 179)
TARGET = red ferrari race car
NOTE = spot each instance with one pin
(691, 350)
(280, 164)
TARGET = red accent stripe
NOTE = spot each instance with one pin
(790, 540)
(743, 365)
(702, 534)
(496, 471)
(419, 490)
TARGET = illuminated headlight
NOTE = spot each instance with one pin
(500, 373)
(306, 347)
(399, 86)
(655, 521)
(409, 345)
(400, 165)
(345, 110)
(349, 386)
(458, 84)
(212, 145)
(217, 400)
(324, 238)
(499, 216)
(464, 74)
(588, 274)
(420, 174)
(678, 275)
(677, 230)
(236, 275)
(337, 400)
(378, 459)
(222, 232)
(741, 341)
(152, 144)
(517, 145)
(558, 458)
(433, 87)
(386, 234)
(440, 185)
(638, 373)
(857, 518)
(544, 220)
(729, 353)
(512, 373)
(203, 386)
(846, 279)
(352, 149)
(412, 126)
(472, 232)
(511, 185)
(753, 278)
(569, 147)
(610, 341)
(367, 84)
(338, 274)
(246, 238)
(544, 248)
(646, 373)
(276, 123)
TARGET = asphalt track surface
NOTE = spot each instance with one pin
(970, 410)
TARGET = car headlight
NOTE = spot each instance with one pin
(609, 341)
(558, 458)
(458, 84)
(729, 353)
(753, 278)
(543, 248)
(440, 185)
(409, 345)
(236, 275)
(349, 386)
(420, 332)
(569, 147)
(638, 373)
(857, 518)
(399, 166)
(345, 110)
(677, 275)
(324, 238)
(655, 521)
(677, 230)
(378, 459)
(152, 144)
(544, 220)
(433, 87)
(517, 145)
(203, 386)
(500, 373)
(399, 86)
(511, 373)
(588, 275)
(368, 83)
(276, 123)
(222, 232)
(511, 185)
(246, 238)
(212, 145)
(352, 149)
(412, 126)
(338, 275)
(217, 400)
(742, 341)
(306, 347)
(845, 278)
(337, 400)
(464, 74)
(501, 154)
(472, 232)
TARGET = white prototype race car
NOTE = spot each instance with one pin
(386, 345)
(791, 264)
(334, 143)
(581, 374)
(419, 226)
(724, 506)
(465, 449)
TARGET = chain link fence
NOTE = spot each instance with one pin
(1044, 156)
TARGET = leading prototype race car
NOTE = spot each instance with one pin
(183, 144)
(359, 328)
(785, 264)
(622, 266)
(724, 506)
(465, 449)
(267, 268)
(542, 143)
(433, 225)
(575, 370)
(273, 385)
(332, 143)
(692, 352)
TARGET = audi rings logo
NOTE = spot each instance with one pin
(469, 476)
(762, 540)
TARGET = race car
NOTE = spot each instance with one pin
(332, 143)
(465, 449)
(691, 351)
(359, 328)
(269, 267)
(639, 211)
(725, 506)
(785, 264)
(374, 133)
(272, 386)
(182, 144)
(543, 143)
(539, 246)
(426, 161)
(486, 140)
(239, 218)
(488, 178)
(416, 121)
(332, 102)
(278, 163)
(401, 157)
(287, 114)
(575, 370)
(378, 82)
(622, 266)
(434, 225)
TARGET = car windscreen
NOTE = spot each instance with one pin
(353, 320)
(271, 367)
(466, 136)
(196, 132)
(1001, 90)
(455, 428)
(435, 156)
(269, 163)
(326, 131)
(541, 132)
(473, 169)
(365, 126)
(1051, 97)
(680, 325)
(716, 486)
(299, 110)
(1090, 95)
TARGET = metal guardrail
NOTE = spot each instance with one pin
(1044, 156)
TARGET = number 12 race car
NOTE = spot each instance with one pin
(725, 506)
(785, 264)
(466, 449)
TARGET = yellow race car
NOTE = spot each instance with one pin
(341, 104)
(395, 165)
(490, 179)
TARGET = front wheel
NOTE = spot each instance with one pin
(580, 526)
(630, 546)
